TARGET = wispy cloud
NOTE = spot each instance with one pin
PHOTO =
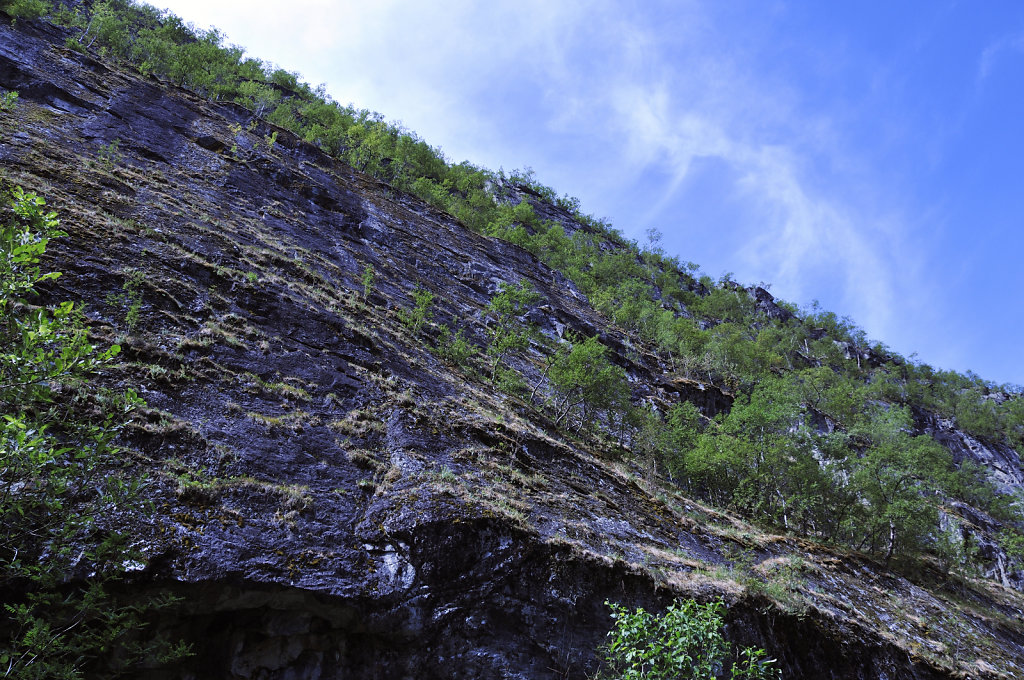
(803, 228)
(799, 234)
(997, 49)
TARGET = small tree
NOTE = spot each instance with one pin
(675, 438)
(257, 96)
(367, 278)
(897, 476)
(454, 346)
(414, 319)
(586, 381)
(684, 643)
(506, 332)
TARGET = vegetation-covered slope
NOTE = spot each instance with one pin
(390, 398)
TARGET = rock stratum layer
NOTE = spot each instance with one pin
(331, 499)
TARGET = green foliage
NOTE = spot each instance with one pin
(129, 298)
(668, 443)
(505, 331)
(881, 496)
(838, 329)
(728, 304)
(736, 354)
(454, 347)
(749, 462)
(979, 415)
(236, 131)
(586, 383)
(514, 223)
(893, 478)
(970, 483)
(23, 240)
(259, 97)
(1012, 541)
(9, 101)
(367, 278)
(897, 476)
(957, 550)
(836, 394)
(414, 319)
(109, 155)
(74, 43)
(26, 9)
(1012, 413)
(59, 473)
(684, 642)
(270, 140)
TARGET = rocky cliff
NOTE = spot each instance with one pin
(331, 498)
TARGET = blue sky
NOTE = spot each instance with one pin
(869, 155)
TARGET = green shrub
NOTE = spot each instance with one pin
(454, 346)
(109, 155)
(9, 100)
(367, 279)
(685, 642)
(259, 97)
(129, 298)
(414, 319)
(507, 333)
(1012, 541)
(586, 382)
(26, 9)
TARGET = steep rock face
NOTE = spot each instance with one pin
(331, 498)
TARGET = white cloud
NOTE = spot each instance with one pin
(994, 51)
(803, 229)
